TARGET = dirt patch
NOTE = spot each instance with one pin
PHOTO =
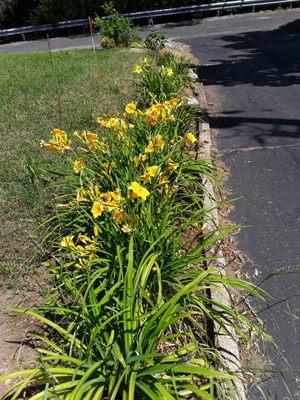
(183, 51)
(17, 350)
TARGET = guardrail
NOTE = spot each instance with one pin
(221, 5)
(46, 27)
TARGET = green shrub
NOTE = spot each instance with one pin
(114, 26)
(161, 79)
(107, 43)
(155, 40)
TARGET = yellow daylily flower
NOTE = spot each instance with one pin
(164, 180)
(190, 138)
(96, 231)
(113, 123)
(97, 209)
(131, 108)
(141, 158)
(59, 141)
(119, 215)
(149, 148)
(112, 200)
(81, 195)
(151, 172)
(171, 119)
(126, 229)
(172, 166)
(159, 142)
(90, 139)
(137, 69)
(108, 167)
(67, 242)
(146, 62)
(78, 165)
(138, 191)
(169, 71)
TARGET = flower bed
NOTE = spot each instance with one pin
(130, 309)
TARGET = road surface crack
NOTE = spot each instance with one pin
(256, 148)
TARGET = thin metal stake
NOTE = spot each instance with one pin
(50, 48)
(92, 29)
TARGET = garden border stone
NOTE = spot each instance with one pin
(227, 344)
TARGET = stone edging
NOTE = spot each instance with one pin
(227, 344)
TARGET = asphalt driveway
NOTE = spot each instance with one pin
(250, 65)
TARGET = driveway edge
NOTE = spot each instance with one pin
(225, 343)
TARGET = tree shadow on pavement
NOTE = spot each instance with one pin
(260, 58)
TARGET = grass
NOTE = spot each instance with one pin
(35, 97)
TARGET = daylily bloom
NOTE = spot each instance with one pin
(126, 229)
(131, 108)
(97, 209)
(171, 118)
(141, 158)
(59, 141)
(190, 138)
(67, 242)
(119, 215)
(169, 71)
(146, 62)
(90, 139)
(172, 166)
(164, 180)
(151, 172)
(78, 165)
(138, 191)
(149, 148)
(112, 200)
(159, 142)
(108, 167)
(137, 69)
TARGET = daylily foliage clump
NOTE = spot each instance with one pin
(130, 302)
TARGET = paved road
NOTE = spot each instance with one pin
(57, 43)
(251, 69)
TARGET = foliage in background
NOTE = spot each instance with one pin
(114, 26)
(15, 13)
(155, 40)
(162, 78)
(107, 43)
(19, 13)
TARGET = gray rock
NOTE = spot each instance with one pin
(192, 75)
(192, 102)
